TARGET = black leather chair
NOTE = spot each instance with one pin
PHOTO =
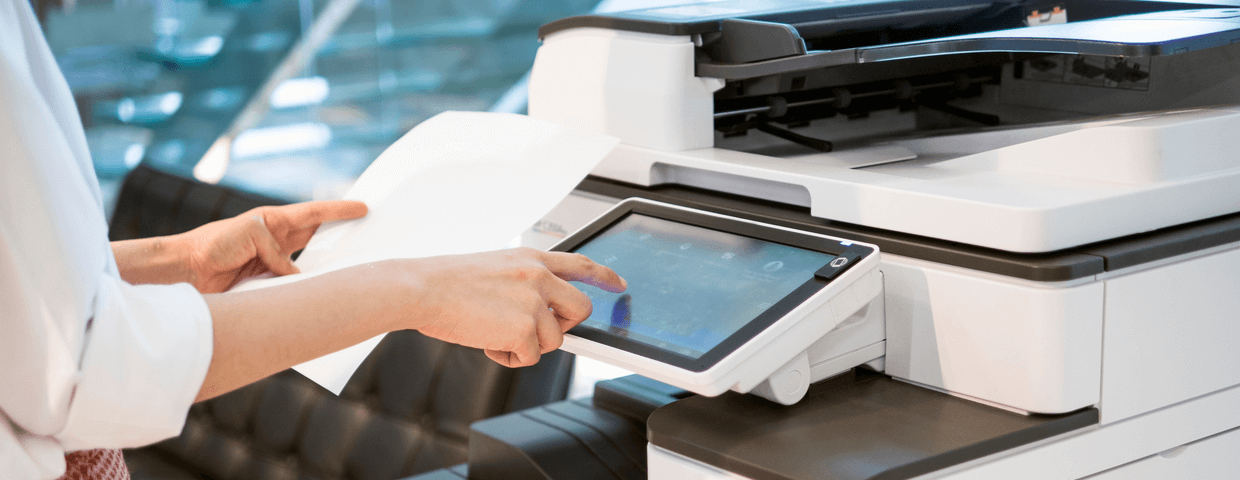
(407, 410)
(602, 437)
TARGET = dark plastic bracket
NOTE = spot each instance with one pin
(744, 41)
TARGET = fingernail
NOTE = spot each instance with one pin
(624, 283)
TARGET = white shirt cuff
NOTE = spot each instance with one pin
(146, 356)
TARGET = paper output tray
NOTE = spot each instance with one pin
(854, 426)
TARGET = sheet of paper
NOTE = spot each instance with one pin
(460, 182)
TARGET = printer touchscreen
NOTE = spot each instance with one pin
(689, 287)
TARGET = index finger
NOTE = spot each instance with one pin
(575, 267)
(307, 214)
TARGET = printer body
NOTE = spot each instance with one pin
(1055, 188)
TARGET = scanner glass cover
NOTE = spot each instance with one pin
(689, 287)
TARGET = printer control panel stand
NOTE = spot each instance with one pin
(859, 339)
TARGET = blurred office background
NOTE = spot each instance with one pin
(159, 81)
(196, 110)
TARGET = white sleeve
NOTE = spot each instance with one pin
(86, 360)
(124, 377)
(145, 357)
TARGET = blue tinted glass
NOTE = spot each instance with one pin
(689, 287)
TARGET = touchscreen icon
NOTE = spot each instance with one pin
(773, 266)
(728, 256)
(686, 246)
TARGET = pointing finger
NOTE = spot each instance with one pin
(579, 268)
(293, 225)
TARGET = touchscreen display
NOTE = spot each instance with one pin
(689, 287)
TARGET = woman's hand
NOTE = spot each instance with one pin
(515, 304)
(216, 256)
(225, 252)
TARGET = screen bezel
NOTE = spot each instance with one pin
(732, 226)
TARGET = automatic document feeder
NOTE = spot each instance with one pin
(1054, 188)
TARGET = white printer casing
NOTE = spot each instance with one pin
(1152, 346)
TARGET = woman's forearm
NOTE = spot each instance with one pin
(513, 304)
(261, 332)
(151, 260)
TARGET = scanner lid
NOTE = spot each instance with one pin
(747, 39)
(1143, 35)
(1140, 35)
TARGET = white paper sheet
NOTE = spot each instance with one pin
(460, 182)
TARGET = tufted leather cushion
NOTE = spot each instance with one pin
(407, 410)
(285, 427)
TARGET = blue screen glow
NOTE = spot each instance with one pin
(689, 287)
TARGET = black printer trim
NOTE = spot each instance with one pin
(843, 15)
(1063, 265)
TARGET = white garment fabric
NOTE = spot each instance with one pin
(86, 360)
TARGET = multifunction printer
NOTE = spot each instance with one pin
(1054, 187)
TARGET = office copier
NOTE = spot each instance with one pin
(1054, 185)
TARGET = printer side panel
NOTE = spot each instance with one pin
(1029, 346)
(1171, 334)
(636, 86)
